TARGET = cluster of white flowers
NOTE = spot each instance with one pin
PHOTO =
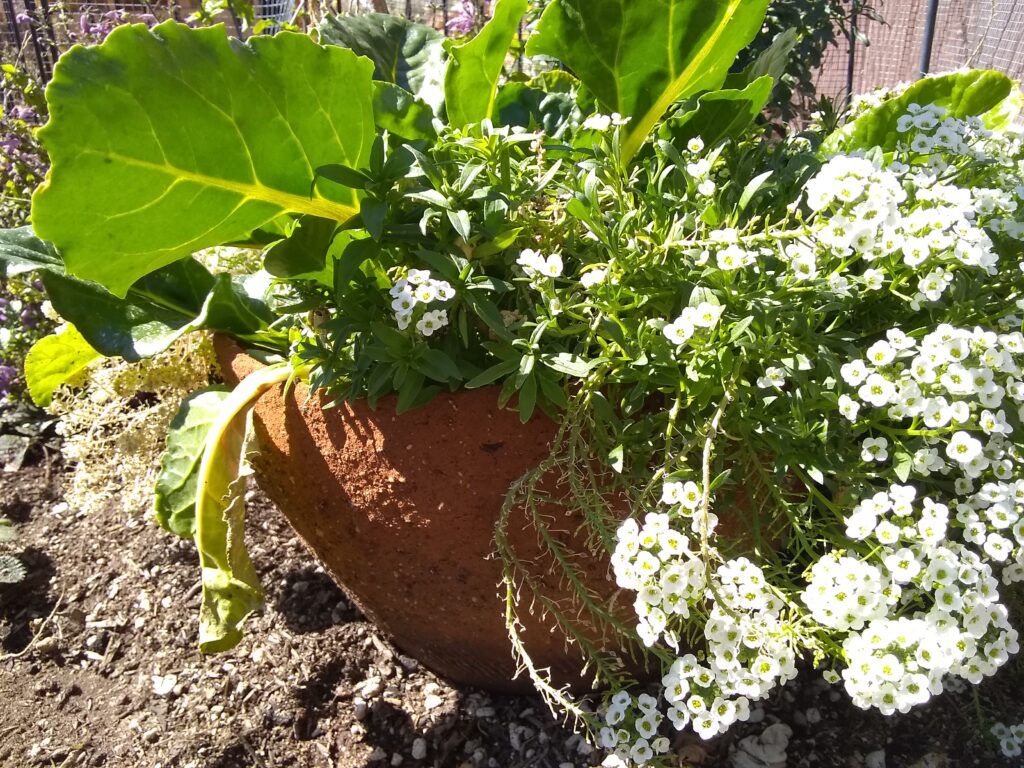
(537, 265)
(844, 593)
(1011, 738)
(703, 316)
(749, 652)
(413, 294)
(599, 122)
(656, 562)
(913, 597)
(631, 730)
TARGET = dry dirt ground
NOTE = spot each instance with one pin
(98, 666)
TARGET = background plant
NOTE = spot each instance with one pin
(803, 345)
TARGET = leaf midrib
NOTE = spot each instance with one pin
(643, 126)
(286, 201)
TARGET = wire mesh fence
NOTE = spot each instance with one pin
(986, 34)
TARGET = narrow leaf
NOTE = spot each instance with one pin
(471, 80)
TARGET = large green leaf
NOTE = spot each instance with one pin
(771, 61)
(54, 360)
(176, 485)
(303, 254)
(534, 108)
(638, 58)
(156, 310)
(963, 94)
(398, 111)
(403, 52)
(471, 81)
(169, 140)
(231, 589)
(717, 115)
(22, 251)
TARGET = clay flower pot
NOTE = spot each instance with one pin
(401, 511)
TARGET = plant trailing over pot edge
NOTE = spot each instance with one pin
(823, 325)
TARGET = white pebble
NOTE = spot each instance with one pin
(419, 749)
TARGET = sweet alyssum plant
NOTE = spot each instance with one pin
(787, 375)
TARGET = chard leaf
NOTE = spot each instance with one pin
(22, 251)
(471, 80)
(638, 58)
(169, 140)
(963, 94)
(405, 53)
(303, 254)
(231, 589)
(771, 61)
(533, 108)
(54, 360)
(718, 115)
(175, 492)
(398, 111)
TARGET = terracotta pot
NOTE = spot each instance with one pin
(401, 511)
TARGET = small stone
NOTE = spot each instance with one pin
(151, 736)
(164, 685)
(377, 755)
(370, 687)
(410, 664)
(875, 759)
(484, 712)
(419, 749)
(359, 709)
(813, 716)
(433, 701)
(397, 760)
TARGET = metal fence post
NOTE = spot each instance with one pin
(929, 37)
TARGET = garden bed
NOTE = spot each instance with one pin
(114, 678)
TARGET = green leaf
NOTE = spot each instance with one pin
(568, 363)
(438, 366)
(902, 463)
(772, 61)
(492, 374)
(55, 359)
(169, 140)
(718, 115)
(751, 189)
(407, 54)
(527, 398)
(535, 109)
(963, 94)
(398, 111)
(616, 457)
(22, 251)
(175, 491)
(638, 58)
(303, 253)
(461, 222)
(231, 589)
(158, 309)
(471, 80)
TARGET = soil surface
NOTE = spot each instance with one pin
(99, 666)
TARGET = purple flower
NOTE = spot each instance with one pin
(30, 316)
(23, 18)
(8, 374)
(463, 22)
(24, 113)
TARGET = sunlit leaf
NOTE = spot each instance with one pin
(638, 58)
(471, 80)
(169, 140)
(55, 360)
